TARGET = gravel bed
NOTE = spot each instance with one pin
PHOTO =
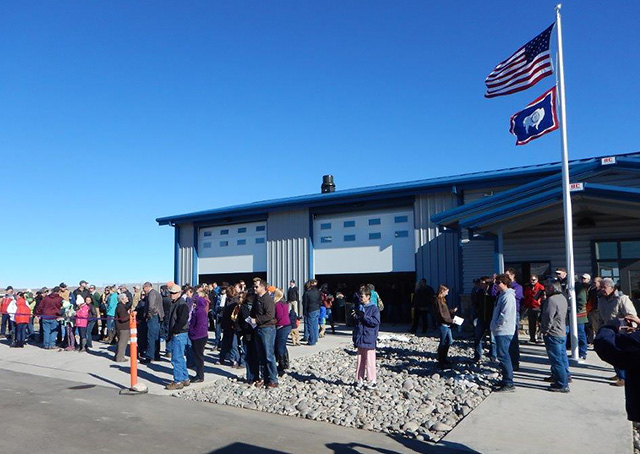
(413, 397)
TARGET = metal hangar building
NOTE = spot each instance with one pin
(447, 230)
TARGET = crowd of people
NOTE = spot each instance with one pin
(252, 325)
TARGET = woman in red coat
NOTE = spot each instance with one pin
(533, 294)
(22, 317)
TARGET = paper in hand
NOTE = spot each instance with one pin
(458, 320)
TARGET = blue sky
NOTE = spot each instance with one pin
(114, 113)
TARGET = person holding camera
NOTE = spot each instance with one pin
(365, 335)
(620, 347)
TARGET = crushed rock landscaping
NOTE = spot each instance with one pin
(413, 397)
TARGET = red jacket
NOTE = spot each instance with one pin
(533, 295)
(23, 313)
(50, 306)
(5, 304)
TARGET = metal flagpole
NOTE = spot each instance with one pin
(566, 196)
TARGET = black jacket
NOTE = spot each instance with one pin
(311, 300)
(178, 318)
(623, 351)
(424, 297)
(293, 294)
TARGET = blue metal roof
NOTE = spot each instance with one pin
(514, 174)
(578, 172)
(548, 198)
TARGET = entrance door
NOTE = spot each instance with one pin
(630, 278)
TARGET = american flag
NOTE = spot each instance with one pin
(523, 69)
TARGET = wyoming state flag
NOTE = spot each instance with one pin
(537, 119)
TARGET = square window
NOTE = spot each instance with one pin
(402, 234)
(242, 242)
(224, 243)
(374, 221)
(349, 224)
(259, 240)
(206, 245)
(325, 226)
(349, 237)
(207, 233)
(242, 230)
(401, 219)
(375, 236)
(224, 232)
(606, 250)
(630, 249)
(261, 228)
(326, 239)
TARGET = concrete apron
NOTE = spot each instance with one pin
(590, 419)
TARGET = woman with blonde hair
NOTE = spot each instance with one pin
(283, 328)
(444, 319)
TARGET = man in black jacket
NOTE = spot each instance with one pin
(423, 300)
(311, 301)
(263, 315)
(622, 350)
(178, 335)
(293, 295)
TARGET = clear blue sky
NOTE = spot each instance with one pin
(114, 113)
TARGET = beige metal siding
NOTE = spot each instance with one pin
(288, 248)
(437, 258)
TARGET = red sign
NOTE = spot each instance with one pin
(576, 187)
(608, 161)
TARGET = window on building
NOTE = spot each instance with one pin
(207, 233)
(206, 245)
(259, 240)
(402, 234)
(224, 243)
(401, 219)
(325, 226)
(326, 239)
(349, 237)
(224, 232)
(374, 221)
(348, 224)
(242, 230)
(375, 236)
(242, 242)
(619, 260)
(261, 228)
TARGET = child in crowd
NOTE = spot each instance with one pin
(295, 324)
(82, 319)
(322, 320)
(365, 335)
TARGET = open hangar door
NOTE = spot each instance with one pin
(373, 247)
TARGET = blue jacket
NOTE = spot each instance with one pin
(623, 351)
(365, 332)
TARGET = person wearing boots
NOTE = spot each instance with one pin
(444, 319)
(82, 320)
(283, 328)
(112, 303)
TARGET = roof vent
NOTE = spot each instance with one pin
(327, 184)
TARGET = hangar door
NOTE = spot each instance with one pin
(364, 242)
(233, 249)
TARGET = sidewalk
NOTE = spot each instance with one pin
(98, 368)
(589, 420)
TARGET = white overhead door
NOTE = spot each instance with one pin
(238, 248)
(364, 242)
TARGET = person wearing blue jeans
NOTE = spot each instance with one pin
(178, 360)
(582, 340)
(263, 315)
(504, 357)
(552, 325)
(503, 326)
(266, 337)
(178, 334)
(153, 338)
(311, 320)
(49, 332)
(444, 318)
(556, 349)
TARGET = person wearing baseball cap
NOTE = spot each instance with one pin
(178, 333)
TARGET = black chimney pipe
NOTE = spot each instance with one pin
(327, 184)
